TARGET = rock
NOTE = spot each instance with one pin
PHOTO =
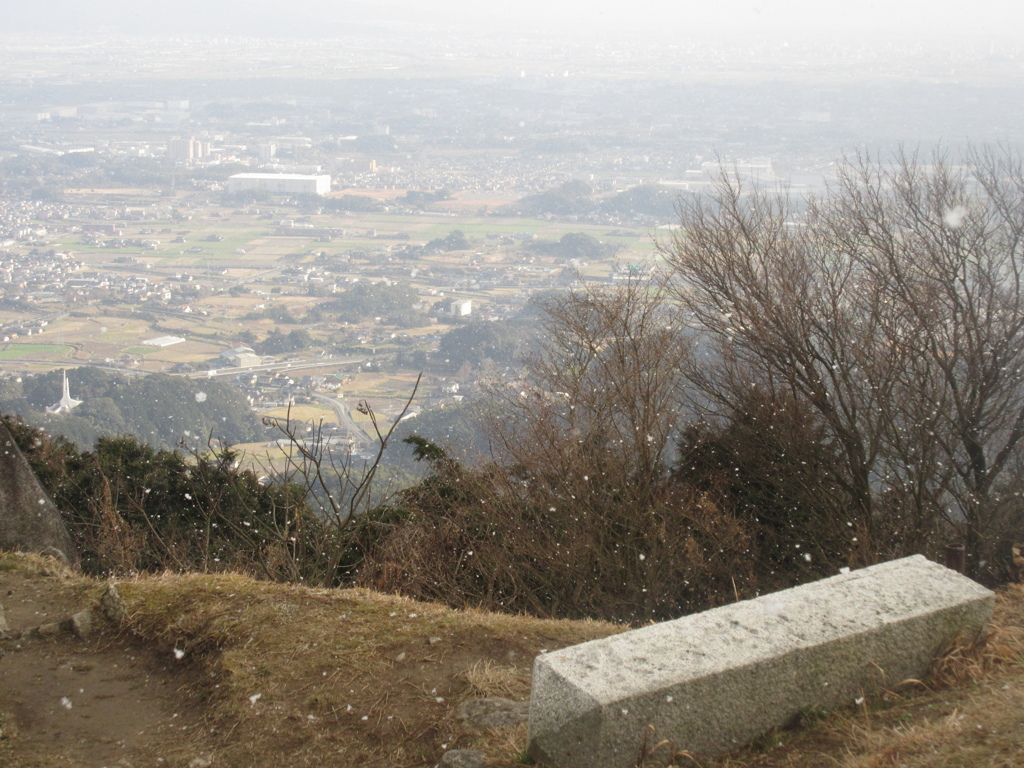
(81, 624)
(711, 682)
(203, 761)
(48, 630)
(492, 712)
(463, 758)
(3, 620)
(28, 519)
(111, 605)
(434, 640)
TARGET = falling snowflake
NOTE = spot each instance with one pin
(954, 217)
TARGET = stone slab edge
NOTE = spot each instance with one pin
(713, 681)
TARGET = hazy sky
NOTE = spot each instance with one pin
(774, 19)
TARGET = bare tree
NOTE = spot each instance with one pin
(603, 391)
(339, 488)
(783, 315)
(892, 305)
(944, 243)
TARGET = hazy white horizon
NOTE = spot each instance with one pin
(780, 20)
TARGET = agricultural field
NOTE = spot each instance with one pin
(32, 351)
(214, 276)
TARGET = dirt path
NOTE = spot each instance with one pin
(102, 701)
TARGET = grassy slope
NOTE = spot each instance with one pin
(340, 677)
(297, 676)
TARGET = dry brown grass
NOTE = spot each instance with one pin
(967, 660)
(302, 676)
(311, 677)
(352, 676)
(485, 678)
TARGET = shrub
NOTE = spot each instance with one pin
(501, 540)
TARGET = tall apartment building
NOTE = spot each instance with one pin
(187, 149)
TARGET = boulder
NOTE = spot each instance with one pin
(28, 519)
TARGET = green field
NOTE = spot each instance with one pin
(16, 351)
(263, 249)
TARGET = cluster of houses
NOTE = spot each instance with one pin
(37, 277)
(57, 278)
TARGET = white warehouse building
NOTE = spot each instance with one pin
(280, 183)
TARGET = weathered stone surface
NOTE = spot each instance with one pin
(463, 758)
(711, 682)
(80, 624)
(111, 605)
(492, 712)
(48, 630)
(28, 519)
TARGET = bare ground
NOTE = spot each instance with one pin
(227, 671)
(105, 701)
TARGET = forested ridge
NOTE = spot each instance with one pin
(161, 410)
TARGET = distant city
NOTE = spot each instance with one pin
(230, 192)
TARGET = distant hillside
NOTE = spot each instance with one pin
(160, 409)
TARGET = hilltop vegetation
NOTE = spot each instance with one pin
(394, 302)
(160, 410)
(576, 198)
(132, 508)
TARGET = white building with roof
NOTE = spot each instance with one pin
(461, 307)
(163, 341)
(240, 356)
(280, 183)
